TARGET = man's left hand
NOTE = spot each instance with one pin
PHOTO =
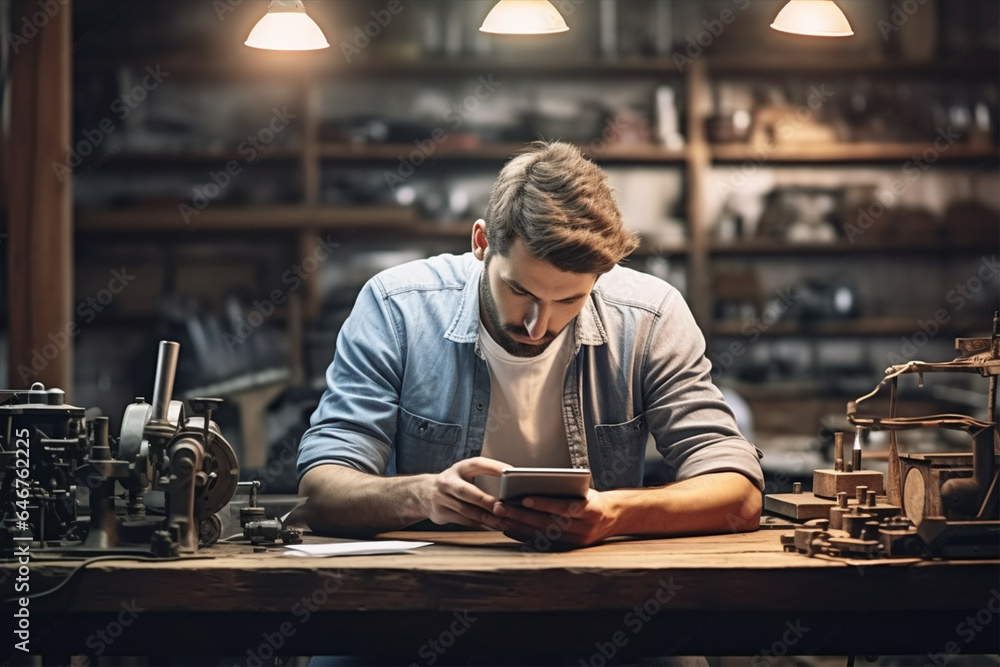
(566, 522)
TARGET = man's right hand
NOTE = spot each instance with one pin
(453, 497)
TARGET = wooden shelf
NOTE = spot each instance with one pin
(305, 66)
(846, 152)
(654, 247)
(197, 155)
(391, 152)
(362, 220)
(840, 247)
(256, 218)
(867, 326)
(761, 65)
(651, 153)
(492, 152)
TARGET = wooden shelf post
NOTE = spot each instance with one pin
(40, 280)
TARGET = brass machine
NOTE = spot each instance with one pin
(50, 453)
(934, 505)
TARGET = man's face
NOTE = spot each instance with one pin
(525, 302)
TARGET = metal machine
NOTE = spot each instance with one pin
(935, 505)
(56, 465)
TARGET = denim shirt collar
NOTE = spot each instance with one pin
(464, 327)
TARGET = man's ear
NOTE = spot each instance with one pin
(479, 242)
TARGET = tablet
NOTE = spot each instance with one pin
(516, 483)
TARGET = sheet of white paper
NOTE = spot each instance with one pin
(355, 548)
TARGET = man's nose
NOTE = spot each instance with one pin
(537, 321)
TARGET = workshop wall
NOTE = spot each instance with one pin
(827, 207)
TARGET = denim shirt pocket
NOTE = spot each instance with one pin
(622, 449)
(425, 445)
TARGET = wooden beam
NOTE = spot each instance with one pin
(40, 201)
(699, 162)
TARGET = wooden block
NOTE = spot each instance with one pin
(827, 483)
(800, 506)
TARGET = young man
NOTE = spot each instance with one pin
(535, 349)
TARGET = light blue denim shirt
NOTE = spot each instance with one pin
(409, 390)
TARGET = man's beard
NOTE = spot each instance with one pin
(501, 331)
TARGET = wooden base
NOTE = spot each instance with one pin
(799, 506)
(828, 483)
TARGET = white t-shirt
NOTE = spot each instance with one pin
(525, 422)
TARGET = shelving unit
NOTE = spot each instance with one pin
(294, 226)
(695, 159)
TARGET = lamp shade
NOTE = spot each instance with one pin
(524, 17)
(819, 18)
(287, 27)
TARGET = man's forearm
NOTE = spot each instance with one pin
(725, 502)
(344, 500)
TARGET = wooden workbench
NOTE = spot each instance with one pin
(480, 594)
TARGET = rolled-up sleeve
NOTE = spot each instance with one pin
(355, 422)
(693, 426)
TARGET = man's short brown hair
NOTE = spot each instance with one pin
(561, 205)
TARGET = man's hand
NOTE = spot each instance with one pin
(580, 522)
(723, 502)
(452, 497)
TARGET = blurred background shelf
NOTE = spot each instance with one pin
(497, 152)
(866, 326)
(766, 175)
(859, 152)
(778, 247)
(274, 218)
